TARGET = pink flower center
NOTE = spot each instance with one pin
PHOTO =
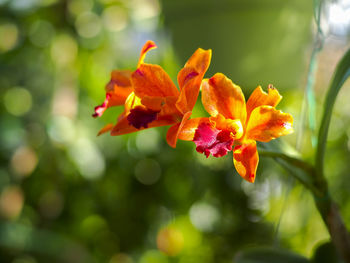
(210, 140)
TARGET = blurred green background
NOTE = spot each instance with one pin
(69, 196)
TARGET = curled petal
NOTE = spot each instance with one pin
(210, 140)
(119, 87)
(260, 98)
(120, 78)
(190, 78)
(149, 45)
(174, 131)
(153, 81)
(100, 109)
(221, 96)
(117, 91)
(196, 65)
(246, 159)
(267, 123)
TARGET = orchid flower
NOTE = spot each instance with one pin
(153, 99)
(235, 123)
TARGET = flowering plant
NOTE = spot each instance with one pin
(151, 99)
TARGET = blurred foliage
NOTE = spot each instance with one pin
(68, 196)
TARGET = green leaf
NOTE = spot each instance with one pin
(325, 253)
(268, 255)
(340, 75)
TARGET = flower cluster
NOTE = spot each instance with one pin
(151, 99)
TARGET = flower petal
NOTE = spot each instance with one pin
(117, 90)
(149, 45)
(221, 96)
(267, 123)
(174, 131)
(246, 159)
(153, 103)
(152, 80)
(190, 78)
(260, 97)
(119, 87)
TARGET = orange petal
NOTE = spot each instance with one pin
(246, 159)
(267, 123)
(117, 91)
(105, 129)
(260, 97)
(190, 77)
(153, 103)
(149, 45)
(198, 62)
(119, 87)
(152, 80)
(174, 131)
(221, 96)
(169, 108)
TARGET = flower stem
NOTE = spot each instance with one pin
(335, 225)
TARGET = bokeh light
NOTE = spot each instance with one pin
(147, 171)
(88, 25)
(11, 202)
(115, 18)
(18, 101)
(64, 49)
(41, 33)
(88, 158)
(170, 241)
(11, 32)
(51, 204)
(24, 161)
(204, 216)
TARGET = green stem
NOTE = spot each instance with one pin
(332, 218)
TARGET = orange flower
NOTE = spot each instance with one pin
(120, 87)
(235, 123)
(152, 98)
